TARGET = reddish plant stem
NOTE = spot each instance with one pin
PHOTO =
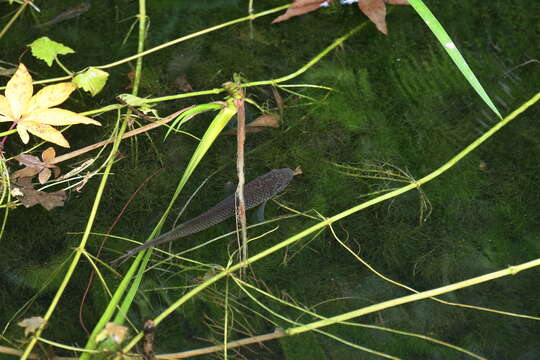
(13, 124)
(113, 225)
(233, 344)
(137, 131)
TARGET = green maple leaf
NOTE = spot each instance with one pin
(46, 49)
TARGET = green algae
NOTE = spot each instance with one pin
(395, 99)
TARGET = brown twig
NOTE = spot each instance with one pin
(233, 344)
(17, 352)
(137, 131)
(240, 139)
(148, 342)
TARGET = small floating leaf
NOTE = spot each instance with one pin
(46, 49)
(92, 80)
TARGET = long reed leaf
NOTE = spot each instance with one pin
(451, 49)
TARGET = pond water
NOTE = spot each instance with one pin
(388, 110)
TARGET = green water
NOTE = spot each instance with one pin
(397, 103)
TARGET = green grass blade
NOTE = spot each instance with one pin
(450, 47)
(190, 113)
(214, 129)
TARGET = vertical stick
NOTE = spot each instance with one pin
(250, 12)
(240, 139)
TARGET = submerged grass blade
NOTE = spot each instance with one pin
(450, 47)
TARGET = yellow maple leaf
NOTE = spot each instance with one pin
(36, 114)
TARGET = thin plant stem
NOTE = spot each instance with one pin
(194, 35)
(244, 285)
(70, 73)
(230, 345)
(511, 270)
(312, 62)
(8, 132)
(250, 12)
(12, 20)
(16, 352)
(137, 131)
(284, 78)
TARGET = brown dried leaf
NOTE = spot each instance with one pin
(23, 190)
(375, 10)
(48, 155)
(266, 120)
(30, 161)
(35, 166)
(254, 129)
(56, 171)
(44, 175)
(30, 325)
(148, 341)
(259, 124)
(299, 7)
(249, 130)
(25, 172)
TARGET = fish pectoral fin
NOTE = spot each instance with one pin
(229, 188)
(258, 214)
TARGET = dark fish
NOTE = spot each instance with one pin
(256, 192)
(68, 14)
